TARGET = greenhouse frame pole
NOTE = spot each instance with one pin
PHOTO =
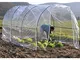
(11, 21)
(38, 21)
(19, 19)
(24, 19)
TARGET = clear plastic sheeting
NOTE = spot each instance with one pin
(22, 25)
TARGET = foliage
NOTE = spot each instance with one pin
(42, 43)
(51, 44)
(28, 40)
(19, 40)
(34, 44)
(59, 44)
(61, 35)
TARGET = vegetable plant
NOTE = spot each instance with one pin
(51, 44)
(41, 45)
(34, 44)
(20, 40)
(28, 40)
(59, 44)
(45, 43)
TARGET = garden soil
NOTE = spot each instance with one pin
(9, 50)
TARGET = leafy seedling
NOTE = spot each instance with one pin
(19, 40)
(28, 40)
(41, 45)
(34, 44)
(51, 44)
(45, 43)
(59, 44)
(51, 35)
(22, 41)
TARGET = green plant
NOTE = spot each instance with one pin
(51, 44)
(45, 43)
(20, 40)
(51, 35)
(34, 44)
(58, 44)
(41, 45)
(29, 40)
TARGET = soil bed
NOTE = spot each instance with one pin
(9, 50)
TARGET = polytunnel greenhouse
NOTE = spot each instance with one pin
(22, 25)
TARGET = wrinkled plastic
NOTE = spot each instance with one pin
(24, 22)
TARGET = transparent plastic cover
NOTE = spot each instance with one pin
(22, 25)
